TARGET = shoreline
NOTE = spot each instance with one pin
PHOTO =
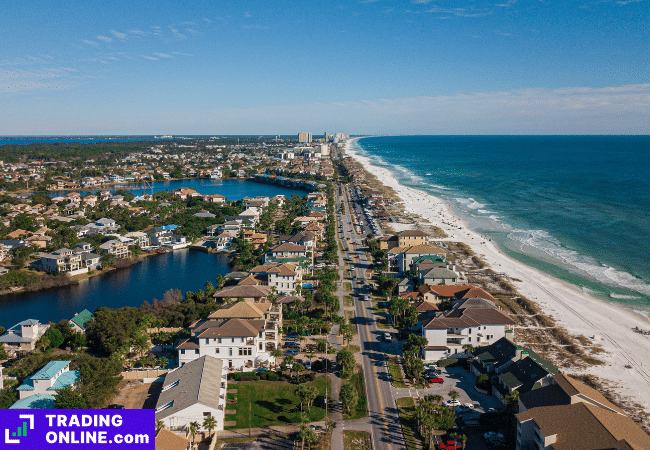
(606, 323)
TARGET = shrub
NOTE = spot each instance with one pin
(272, 376)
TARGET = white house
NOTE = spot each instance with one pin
(225, 240)
(140, 238)
(193, 392)
(284, 277)
(447, 332)
(23, 335)
(240, 343)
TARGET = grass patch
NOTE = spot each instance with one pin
(347, 286)
(353, 348)
(406, 407)
(272, 403)
(361, 410)
(347, 300)
(356, 440)
(396, 373)
(382, 321)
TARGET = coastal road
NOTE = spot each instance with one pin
(382, 411)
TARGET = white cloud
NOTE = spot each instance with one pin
(85, 41)
(163, 55)
(19, 80)
(104, 38)
(151, 58)
(118, 35)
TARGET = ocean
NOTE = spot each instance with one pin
(576, 207)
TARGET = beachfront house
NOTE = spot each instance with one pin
(401, 259)
(63, 260)
(193, 392)
(283, 277)
(115, 247)
(448, 332)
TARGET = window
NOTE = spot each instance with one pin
(216, 350)
(230, 352)
(207, 341)
(182, 352)
(245, 351)
(219, 340)
(261, 346)
(207, 414)
(261, 334)
(169, 386)
(242, 340)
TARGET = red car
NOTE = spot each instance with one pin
(451, 445)
(436, 380)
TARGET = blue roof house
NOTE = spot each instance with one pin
(54, 376)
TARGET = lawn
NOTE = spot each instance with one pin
(348, 300)
(406, 407)
(272, 403)
(361, 410)
(396, 373)
(356, 440)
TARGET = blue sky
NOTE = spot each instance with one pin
(253, 67)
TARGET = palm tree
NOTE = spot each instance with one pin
(194, 427)
(276, 353)
(209, 424)
(454, 395)
(159, 425)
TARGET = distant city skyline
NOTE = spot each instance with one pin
(359, 67)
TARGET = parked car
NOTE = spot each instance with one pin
(388, 337)
(452, 403)
(291, 351)
(308, 365)
(492, 435)
(435, 380)
(262, 369)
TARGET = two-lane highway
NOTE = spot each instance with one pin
(383, 414)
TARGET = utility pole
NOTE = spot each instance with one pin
(249, 416)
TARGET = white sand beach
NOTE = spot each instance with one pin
(608, 324)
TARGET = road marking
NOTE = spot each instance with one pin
(374, 373)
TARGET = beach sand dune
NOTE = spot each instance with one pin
(609, 325)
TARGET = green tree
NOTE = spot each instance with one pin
(345, 358)
(276, 353)
(349, 397)
(69, 398)
(8, 397)
(159, 425)
(55, 337)
(194, 427)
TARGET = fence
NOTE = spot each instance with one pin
(142, 374)
(163, 330)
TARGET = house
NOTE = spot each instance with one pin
(184, 193)
(242, 343)
(523, 375)
(438, 275)
(447, 332)
(253, 294)
(116, 248)
(62, 260)
(581, 425)
(54, 376)
(78, 322)
(215, 198)
(408, 238)
(141, 239)
(405, 285)
(224, 241)
(193, 392)
(23, 336)
(304, 238)
(284, 277)
(402, 259)
(286, 251)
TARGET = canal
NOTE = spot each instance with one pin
(186, 269)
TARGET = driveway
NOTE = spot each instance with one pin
(266, 443)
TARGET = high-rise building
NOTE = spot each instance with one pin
(304, 138)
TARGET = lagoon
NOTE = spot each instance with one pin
(186, 269)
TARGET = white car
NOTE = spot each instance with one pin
(388, 337)
(452, 403)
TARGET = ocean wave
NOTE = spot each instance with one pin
(484, 211)
(624, 297)
(470, 203)
(544, 242)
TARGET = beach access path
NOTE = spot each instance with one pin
(610, 325)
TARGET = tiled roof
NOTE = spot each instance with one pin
(469, 317)
(574, 387)
(249, 281)
(236, 292)
(288, 247)
(167, 440)
(229, 328)
(50, 370)
(448, 291)
(239, 310)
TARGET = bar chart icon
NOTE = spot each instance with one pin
(21, 431)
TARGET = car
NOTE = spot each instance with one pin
(291, 351)
(435, 380)
(115, 406)
(388, 337)
(262, 369)
(492, 435)
(450, 445)
(308, 365)
(366, 297)
(452, 403)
